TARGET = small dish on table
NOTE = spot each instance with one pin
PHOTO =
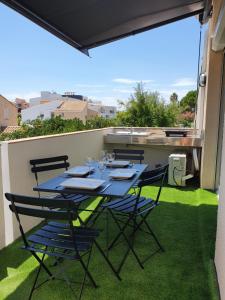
(83, 183)
(121, 174)
(79, 171)
(118, 164)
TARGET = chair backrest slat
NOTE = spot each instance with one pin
(49, 164)
(136, 155)
(41, 213)
(66, 207)
(42, 202)
(48, 160)
(49, 167)
(154, 176)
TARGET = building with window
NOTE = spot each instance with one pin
(105, 111)
(71, 110)
(8, 113)
(65, 109)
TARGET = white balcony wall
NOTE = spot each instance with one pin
(17, 177)
(2, 220)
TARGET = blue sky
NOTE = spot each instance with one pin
(32, 59)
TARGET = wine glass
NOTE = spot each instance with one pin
(111, 157)
(101, 166)
(103, 155)
(89, 161)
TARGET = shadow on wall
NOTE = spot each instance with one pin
(186, 230)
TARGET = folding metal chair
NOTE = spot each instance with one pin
(134, 155)
(133, 211)
(54, 163)
(56, 239)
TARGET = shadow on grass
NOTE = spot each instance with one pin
(187, 232)
(12, 257)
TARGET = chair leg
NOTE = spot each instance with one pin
(88, 273)
(125, 224)
(127, 240)
(35, 282)
(107, 260)
(128, 250)
(41, 264)
(98, 214)
(123, 260)
(107, 232)
(85, 275)
(153, 235)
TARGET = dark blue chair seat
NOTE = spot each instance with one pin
(133, 210)
(57, 237)
(77, 198)
(128, 203)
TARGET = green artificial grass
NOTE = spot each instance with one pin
(185, 223)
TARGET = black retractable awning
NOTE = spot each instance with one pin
(85, 24)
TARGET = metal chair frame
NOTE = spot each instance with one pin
(135, 207)
(50, 164)
(134, 155)
(56, 239)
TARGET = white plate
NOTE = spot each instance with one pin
(82, 183)
(122, 173)
(79, 171)
(118, 163)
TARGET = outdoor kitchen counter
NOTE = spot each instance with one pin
(154, 139)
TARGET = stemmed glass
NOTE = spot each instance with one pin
(101, 166)
(102, 162)
(111, 157)
(103, 155)
(89, 162)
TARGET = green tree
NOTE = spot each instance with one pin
(55, 125)
(147, 109)
(174, 98)
(189, 101)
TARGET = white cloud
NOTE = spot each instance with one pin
(86, 85)
(184, 82)
(123, 91)
(131, 81)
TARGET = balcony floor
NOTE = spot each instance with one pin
(185, 223)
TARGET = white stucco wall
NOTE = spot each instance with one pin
(34, 112)
(17, 177)
(2, 218)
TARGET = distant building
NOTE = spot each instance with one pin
(11, 129)
(52, 96)
(105, 111)
(74, 96)
(108, 112)
(71, 110)
(42, 111)
(8, 113)
(21, 104)
(96, 108)
(45, 97)
(66, 109)
(92, 114)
